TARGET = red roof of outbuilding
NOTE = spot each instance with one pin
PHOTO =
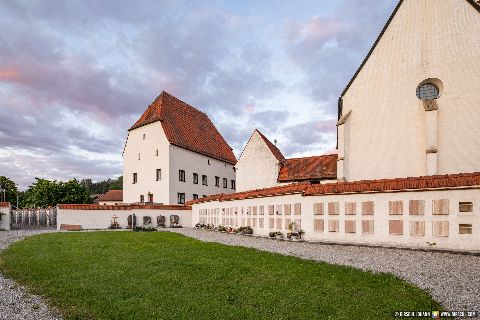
(112, 195)
(4, 204)
(186, 127)
(308, 168)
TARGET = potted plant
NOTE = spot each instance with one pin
(279, 235)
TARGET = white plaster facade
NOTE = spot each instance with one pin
(5, 216)
(140, 157)
(101, 219)
(223, 213)
(257, 167)
(389, 134)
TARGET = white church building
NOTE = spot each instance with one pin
(262, 164)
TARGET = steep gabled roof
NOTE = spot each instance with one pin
(112, 195)
(273, 148)
(474, 3)
(186, 127)
(308, 168)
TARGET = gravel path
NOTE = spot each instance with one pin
(15, 301)
(452, 279)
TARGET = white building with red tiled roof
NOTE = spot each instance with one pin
(174, 154)
(262, 165)
(111, 197)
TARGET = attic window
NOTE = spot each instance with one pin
(428, 91)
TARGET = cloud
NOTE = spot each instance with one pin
(329, 49)
(309, 136)
(75, 75)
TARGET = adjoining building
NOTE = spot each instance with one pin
(111, 197)
(174, 154)
(408, 149)
(262, 165)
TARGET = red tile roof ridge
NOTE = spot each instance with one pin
(309, 157)
(111, 195)
(122, 207)
(255, 193)
(4, 204)
(398, 184)
(436, 182)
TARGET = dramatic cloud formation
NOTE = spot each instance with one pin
(75, 75)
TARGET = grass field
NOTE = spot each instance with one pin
(134, 275)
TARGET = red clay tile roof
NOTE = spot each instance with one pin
(121, 207)
(366, 186)
(308, 168)
(187, 127)
(112, 195)
(399, 184)
(258, 193)
(4, 204)
(275, 151)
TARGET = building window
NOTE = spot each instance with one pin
(195, 196)
(156, 152)
(465, 206)
(209, 162)
(427, 91)
(150, 198)
(159, 174)
(135, 178)
(181, 175)
(217, 181)
(144, 136)
(225, 182)
(465, 228)
(142, 198)
(195, 178)
(181, 198)
(233, 184)
(139, 156)
(204, 180)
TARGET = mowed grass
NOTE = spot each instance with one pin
(134, 275)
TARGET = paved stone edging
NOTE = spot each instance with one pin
(15, 301)
(452, 279)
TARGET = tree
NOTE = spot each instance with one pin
(11, 190)
(102, 187)
(46, 193)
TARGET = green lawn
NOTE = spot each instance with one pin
(160, 275)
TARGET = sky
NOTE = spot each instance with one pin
(75, 75)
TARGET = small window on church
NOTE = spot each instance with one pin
(427, 91)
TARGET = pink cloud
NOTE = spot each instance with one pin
(9, 74)
(249, 107)
(313, 32)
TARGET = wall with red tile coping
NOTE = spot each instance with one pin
(401, 218)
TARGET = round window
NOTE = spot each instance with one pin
(427, 91)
